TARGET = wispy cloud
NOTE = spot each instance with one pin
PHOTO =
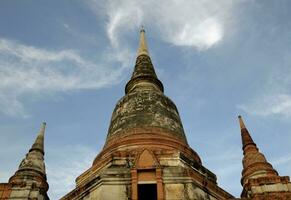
(282, 160)
(227, 167)
(27, 70)
(199, 24)
(282, 164)
(269, 105)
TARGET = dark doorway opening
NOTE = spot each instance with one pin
(147, 192)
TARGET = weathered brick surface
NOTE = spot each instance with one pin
(259, 179)
(5, 190)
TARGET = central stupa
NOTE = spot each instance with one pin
(146, 154)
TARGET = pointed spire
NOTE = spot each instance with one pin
(36, 151)
(143, 48)
(245, 135)
(39, 141)
(257, 172)
(241, 122)
(254, 162)
(144, 76)
(32, 167)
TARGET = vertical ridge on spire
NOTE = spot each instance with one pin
(39, 141)
(143, 48)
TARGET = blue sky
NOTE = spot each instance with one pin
(67, 62)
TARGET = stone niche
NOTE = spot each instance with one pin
(146, 177)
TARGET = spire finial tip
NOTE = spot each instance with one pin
(143, 49)
(241, 122)
(42, 128)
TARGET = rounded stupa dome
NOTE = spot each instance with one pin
(146, 108)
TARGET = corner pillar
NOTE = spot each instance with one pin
(160, 188)
(134, 184)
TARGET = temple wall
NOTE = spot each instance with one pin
(108, 192)
(188, 191)
(179, 179)
(279, 187)
(26, 192)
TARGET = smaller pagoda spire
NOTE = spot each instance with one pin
(31, 171)
(255, 164)
(143, 47)
(245, 135)
(259, 178)
(39, 141)
(34, 159)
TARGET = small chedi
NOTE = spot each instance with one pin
(146, 155)
(29, 181)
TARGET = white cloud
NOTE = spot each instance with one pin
(122, 14)
(30, 71)
(269, 105)
(206, 34)
(199, 24)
